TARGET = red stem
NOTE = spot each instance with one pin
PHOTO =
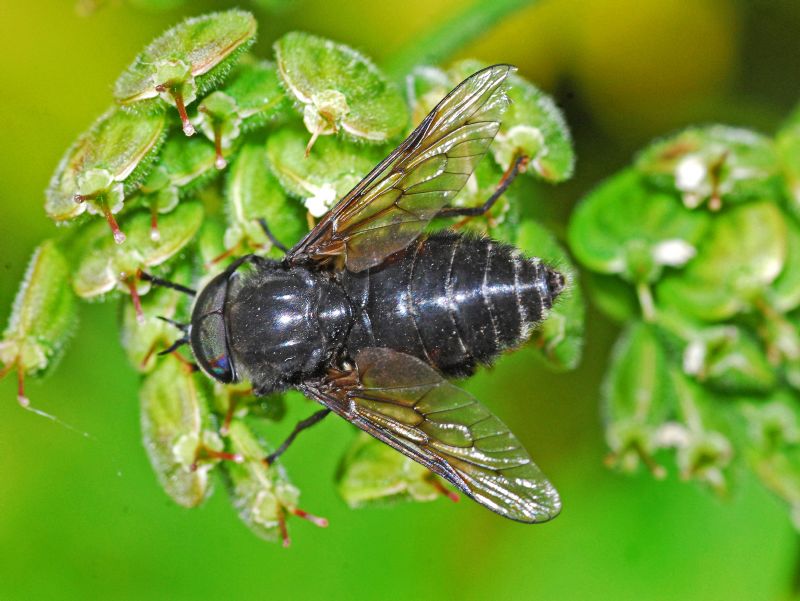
(155, 235)
(21, 398)
(188, 128)
(119, 237)
(316, 520)
(442, 490)
(137, 300)
(282, 526)
(220, 162)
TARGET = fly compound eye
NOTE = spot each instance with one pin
(209, 335)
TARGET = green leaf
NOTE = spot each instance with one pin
(262, 495)
(639, 396)
(372, 472)
(253, 193)
(176, 431)
(323, 177)
(104, 163)
(43, 316)
(186, 61)
(713, 164)
(559, 339)
(339, 87)
(744, 251)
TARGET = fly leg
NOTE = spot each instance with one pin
(509, 176)
(301, 425)
(268, 233)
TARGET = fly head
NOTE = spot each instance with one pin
(209, 331)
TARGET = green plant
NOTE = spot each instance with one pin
(204, 140)
(696, 248)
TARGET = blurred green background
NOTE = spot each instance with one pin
(85, 518)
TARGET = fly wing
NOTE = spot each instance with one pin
(405, 403)
(392, 205)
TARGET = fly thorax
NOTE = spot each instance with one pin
(283, 323)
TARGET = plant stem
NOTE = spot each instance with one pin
(444, 39)
(646, 301)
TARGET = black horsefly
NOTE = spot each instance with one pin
(369, 314)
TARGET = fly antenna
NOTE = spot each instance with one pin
(268, 233)
(175, 345)
(183, 327)
(156, 281)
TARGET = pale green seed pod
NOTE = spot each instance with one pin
(773, 432)
(185, 62)
(339, 88)
(43, 317)
(743, 252)
(104, 165)
(253, 193)
(176, 430)
(700, 435)
(262, 495)
(373, 473)
(184, 165)
(251, 98)
(104, 267)
(323, 177)
(639, 396)
(626, 229)
(143, 340)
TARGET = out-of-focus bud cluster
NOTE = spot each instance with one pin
(696, 248)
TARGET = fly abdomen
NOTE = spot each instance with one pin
(452, 300)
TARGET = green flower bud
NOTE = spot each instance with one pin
(712, 164)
